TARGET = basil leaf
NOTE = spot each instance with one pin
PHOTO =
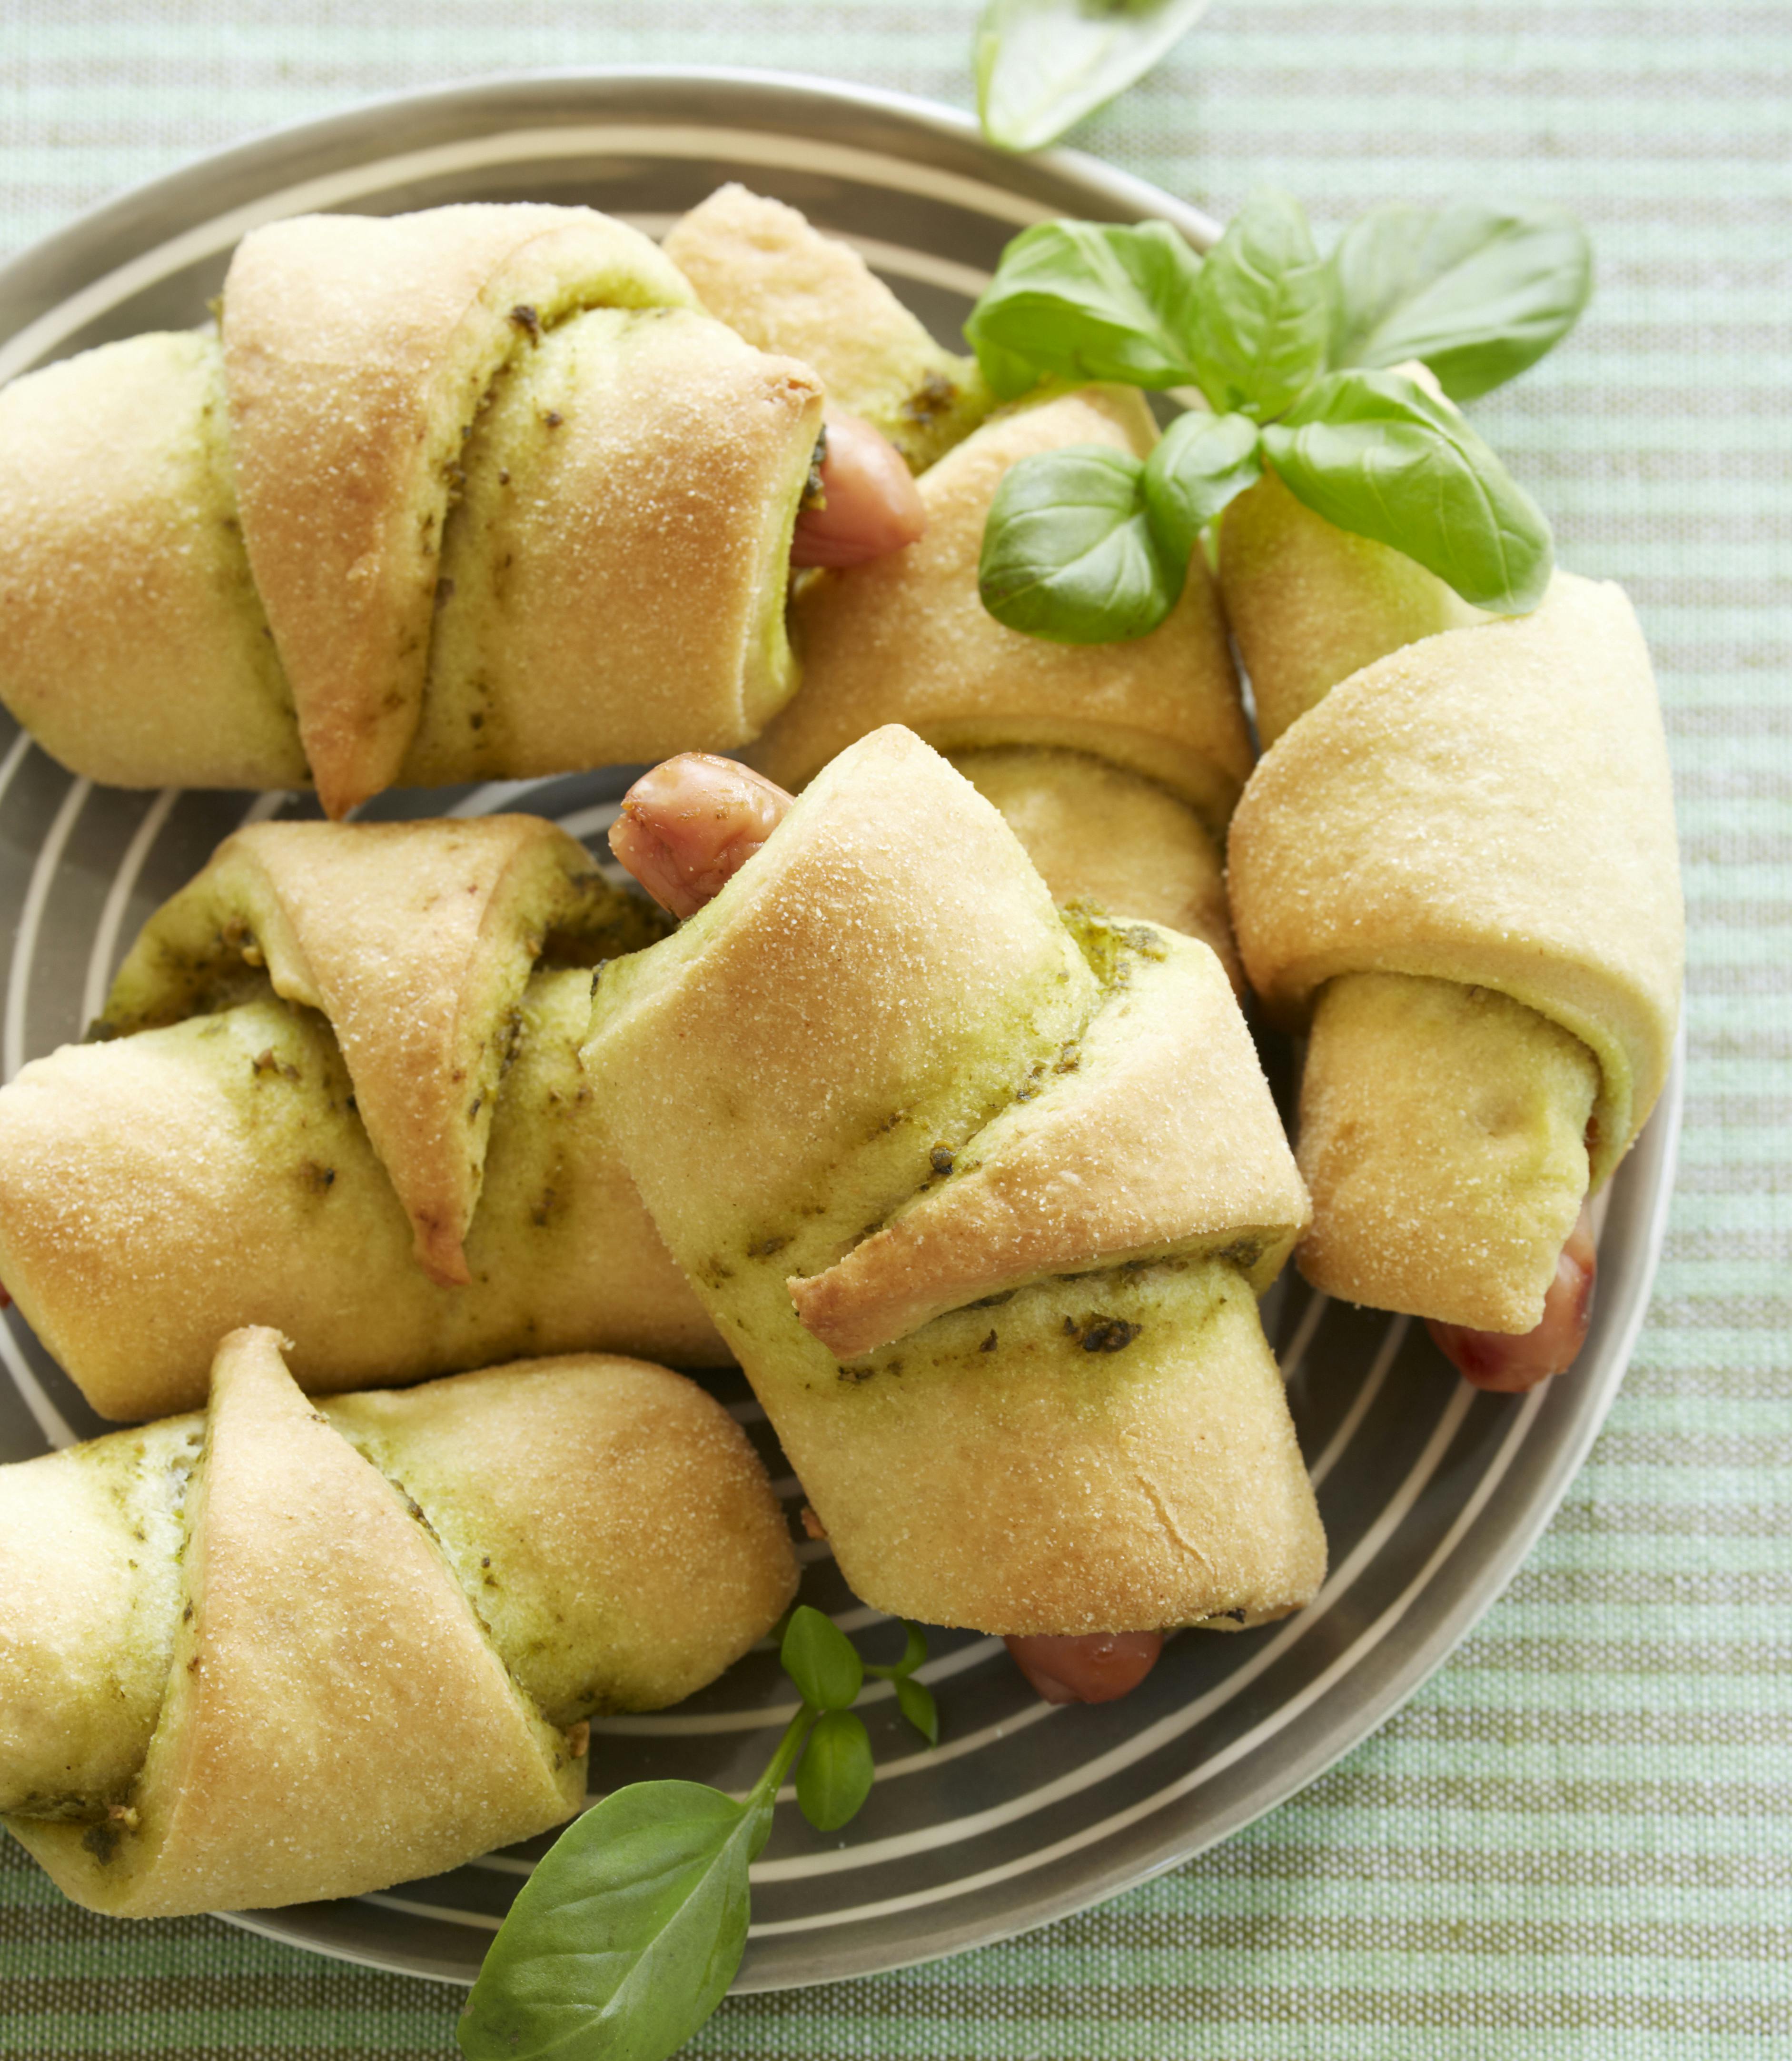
(914, 1651)
(822, 1661)
(1200, 463)
(1042, 65)
(627, 1936)
(1374, 453)
(1263, 305)
(1008, 374)
(1068, 551)
(1088, 300)
(916, 1701)
(914, 1648)
(1475, 295)
(836, 1772)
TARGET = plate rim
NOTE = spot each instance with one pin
(117, 216)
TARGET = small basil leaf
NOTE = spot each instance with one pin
(1087, 300)
(1069, 552)
(1042, 65)
(1200, 463)
(914, 1651)
(627, 1935)
(1264, 309)
(916, 1701)
(835, 1774)
(822, 1661)
(1374, 453)
(914, 1648)
(1475, 295)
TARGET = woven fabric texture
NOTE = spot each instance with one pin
(1577, 1840)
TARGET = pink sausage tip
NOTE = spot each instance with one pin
(1096, 1668)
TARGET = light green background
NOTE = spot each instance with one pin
(1577, 1840)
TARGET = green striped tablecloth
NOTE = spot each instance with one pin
(1577, 1840)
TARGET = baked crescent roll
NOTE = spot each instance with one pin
(340, 1093)
(1310, 604)
(1460, 866)
(416, 940)
(979, 1196)
(758, 266)
(277, 1652)
(1110, 838)
(465, 492)
(1117, 765)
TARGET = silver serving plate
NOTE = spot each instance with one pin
(1431, 1493)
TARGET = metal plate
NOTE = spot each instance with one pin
(1431, 1493)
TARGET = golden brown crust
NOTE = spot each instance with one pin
(811, 1003)
(1052, 1483)
(607, 1520)
(882, 986)
(610, 1520)
(502, 499)
(1491, 805)
(1157, 1137)
(295, 1686)
(1442, 1135)
(1110, 839)
(906, 639)
(415, 941)
(136, 650)
(313, 1593)
(357, 352)
(759, 265)
(621, 550)
(156, 1191)
(241, 1158)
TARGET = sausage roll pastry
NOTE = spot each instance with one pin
(337, 1091)
(1458, 871)
(278, 1650)
(473, 492)
(981, 1198)
(758, 266)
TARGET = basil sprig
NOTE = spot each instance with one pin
(628, 1933)
(1088, 544)
(1042, 65)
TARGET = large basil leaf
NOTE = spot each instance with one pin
(1200, 463)
(1069, 552)
(1476, 294)
(1088, 300)
(627, 1936)
(1042, 65)
(1263, 310)
(1374, 453)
